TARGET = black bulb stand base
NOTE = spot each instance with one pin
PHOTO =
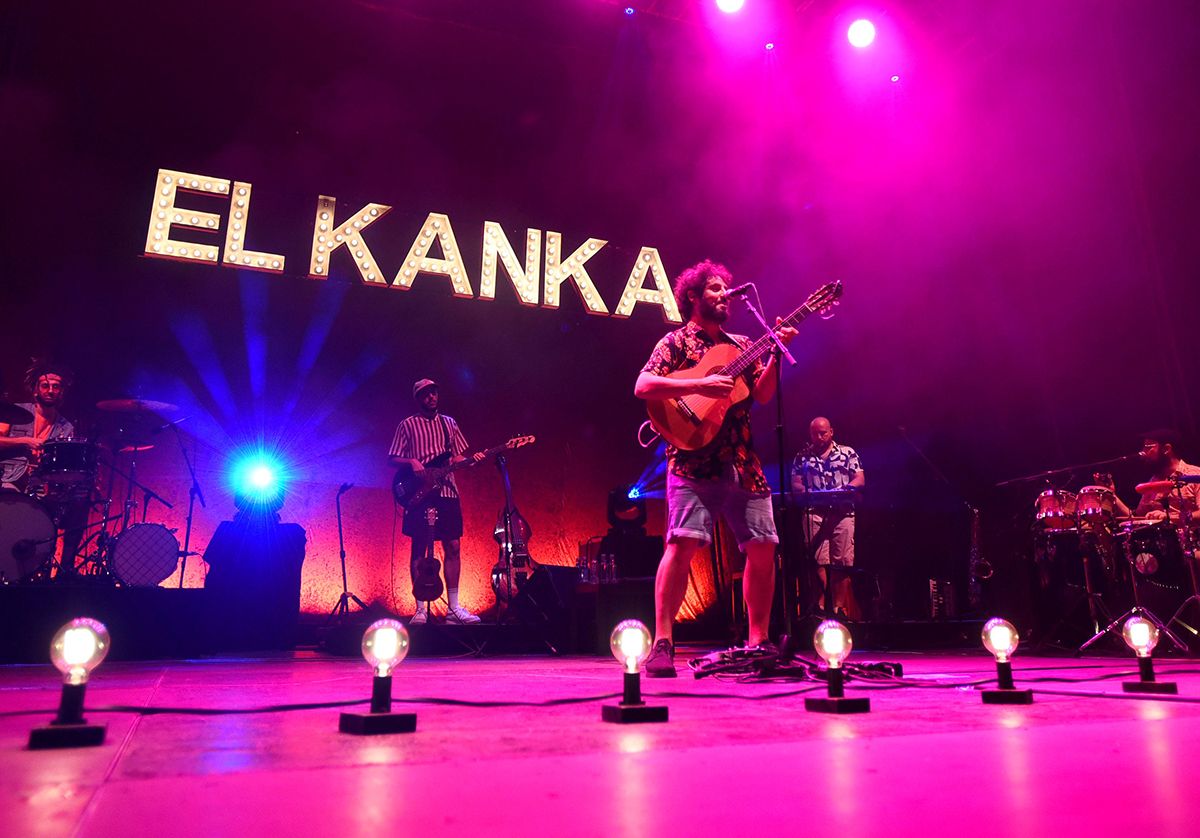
(1152, 687)
(66, 736)
(376, 724)
(840, 706)
(1007, 696)
(627, 714)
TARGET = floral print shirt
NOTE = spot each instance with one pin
(731, 453)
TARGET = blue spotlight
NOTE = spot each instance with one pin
(629, 10)
(258, 480)
(634, 493)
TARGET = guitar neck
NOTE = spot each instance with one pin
(470, 461)
(762, 345)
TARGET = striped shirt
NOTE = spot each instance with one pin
(423, 439)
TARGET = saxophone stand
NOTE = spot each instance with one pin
(1137, 610)
(783, 568)
(342, 610)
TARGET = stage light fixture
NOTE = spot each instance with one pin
(630, 643)
(384, 646)
(1141, 636)
(629, 10)
(77, 648)
(730, 7)
(770, 45)
(1000, 637)
(895, 79)
(833, 643)
(861, 33)
(258, 482)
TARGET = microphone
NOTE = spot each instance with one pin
(345, 487)
(739, 290)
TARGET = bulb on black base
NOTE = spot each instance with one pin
(1141, 635)
(630, 643)
(833, 642)
(384, 645)
(1000, 638)
(77, 649)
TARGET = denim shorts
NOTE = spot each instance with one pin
(693, 504)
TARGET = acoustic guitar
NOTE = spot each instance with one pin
(692, 421)
(411, 489)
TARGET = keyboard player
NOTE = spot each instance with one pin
(829, 476)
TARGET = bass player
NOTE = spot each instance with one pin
(420, 438)
(723, 477)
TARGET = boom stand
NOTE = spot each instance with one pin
(785, 485)
(342, 609)
(193, 493)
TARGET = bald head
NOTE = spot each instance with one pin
(820, 431)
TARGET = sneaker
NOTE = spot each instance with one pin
(462, 616)
(660, 663)
(419, 618)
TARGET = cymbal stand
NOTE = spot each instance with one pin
(1137, 610)
(342, 609)
(1187, 542)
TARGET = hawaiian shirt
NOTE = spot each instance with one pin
(733, 447)
(832, 472)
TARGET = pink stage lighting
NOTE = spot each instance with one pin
(861, 33)
(730, 7)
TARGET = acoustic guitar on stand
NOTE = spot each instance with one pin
(692, 421)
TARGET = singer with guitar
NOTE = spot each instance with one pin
(723, 476)
(420, 439)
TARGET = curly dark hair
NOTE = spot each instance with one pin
(46, 366)
(693, 279)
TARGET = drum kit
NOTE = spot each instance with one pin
(73, 485)
(1107, 557)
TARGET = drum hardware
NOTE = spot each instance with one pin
(1137, 610)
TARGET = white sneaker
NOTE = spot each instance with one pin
(462, 616)
(419, 618)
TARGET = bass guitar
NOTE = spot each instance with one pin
(512, 532)
(411, 489)
(692, 421)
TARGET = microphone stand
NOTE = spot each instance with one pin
(193, 493)
(785, 488)
(342, 609)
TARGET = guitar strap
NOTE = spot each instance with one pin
(445, 434)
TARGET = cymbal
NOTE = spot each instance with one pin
(10, 414)
(1155, 486)
(135, 406)
(131, 449)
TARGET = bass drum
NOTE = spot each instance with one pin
(27, 536)
(144, 555)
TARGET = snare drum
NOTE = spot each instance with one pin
(67, 461)
(27, 536)
(144, 555)
(1155, 553)
(1094, 506)
(1054, 510)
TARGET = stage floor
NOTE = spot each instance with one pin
(925, 762)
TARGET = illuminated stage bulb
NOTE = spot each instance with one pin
(1141, 635)
(861, 33)
(76, 649)
(384, 645)
(833, 643)
(1000, 638)
(630, 643)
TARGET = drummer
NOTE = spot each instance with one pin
(1160, 450)
(21, 445)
